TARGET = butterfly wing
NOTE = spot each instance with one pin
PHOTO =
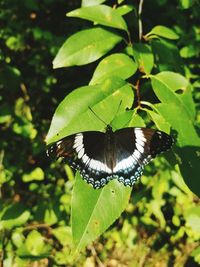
(101, 157)
(134, 148)
(85, 152)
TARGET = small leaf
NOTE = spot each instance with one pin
(192, 217)
(185, 4)
(143, 56)
(159, 121)
(37, 174)
(189, 51)
(15, 215)
(162, 31)
(125, 9)
(101, 14)
(91, 2)
(34, 242)
(63, 234)
(85, 47)
(73, 114)
(119, 65)
(93, 211)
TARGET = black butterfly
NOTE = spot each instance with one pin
(101, 157)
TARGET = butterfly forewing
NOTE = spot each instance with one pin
(103, 156)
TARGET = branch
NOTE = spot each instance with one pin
(139, 19)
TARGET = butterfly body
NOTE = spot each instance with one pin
(101, 157)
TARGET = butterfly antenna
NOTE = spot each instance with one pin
(97, 116)
(120, 103)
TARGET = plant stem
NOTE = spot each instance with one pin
(139, 19)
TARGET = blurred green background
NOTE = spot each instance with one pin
(161, 225)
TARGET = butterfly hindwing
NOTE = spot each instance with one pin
(85, 152)
(101, 157)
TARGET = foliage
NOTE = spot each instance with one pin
(156, 78)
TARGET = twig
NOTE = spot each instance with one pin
(137, 87)
(139, 19)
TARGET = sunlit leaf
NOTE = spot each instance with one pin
(91, 2)
(101, 14)
(163, 31)
(15, 215)
(125, 9)
(114, 65)
(143, 56)
(85, 47)
(73, 115)
(93, 211)
(37, 174)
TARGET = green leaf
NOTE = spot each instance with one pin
(114, 65)
(91, 2)
(188, 158)
(136, 121)
(167, 55)
(192, 217)
(35, 243)
(185, 4)
(173, 88)
(101, 14)
(63, 234)
(162, 31)
(125, 9)
(190, 50)
(34, 247)
(85, 47)
(73, 114)
(13, 216)
(178, 118)
(37, 174)
(159, 121)
(196, 254)
(93, 211)
(143, 56)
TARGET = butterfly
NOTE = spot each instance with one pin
(100, 157)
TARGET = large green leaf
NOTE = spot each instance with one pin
(93, 211)
(114, 65)
(85, 47)
(173, 88)
(188, 159)
(177, 117)
(188, 155)
(167, 56)
(73, 114)
(101, 14)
